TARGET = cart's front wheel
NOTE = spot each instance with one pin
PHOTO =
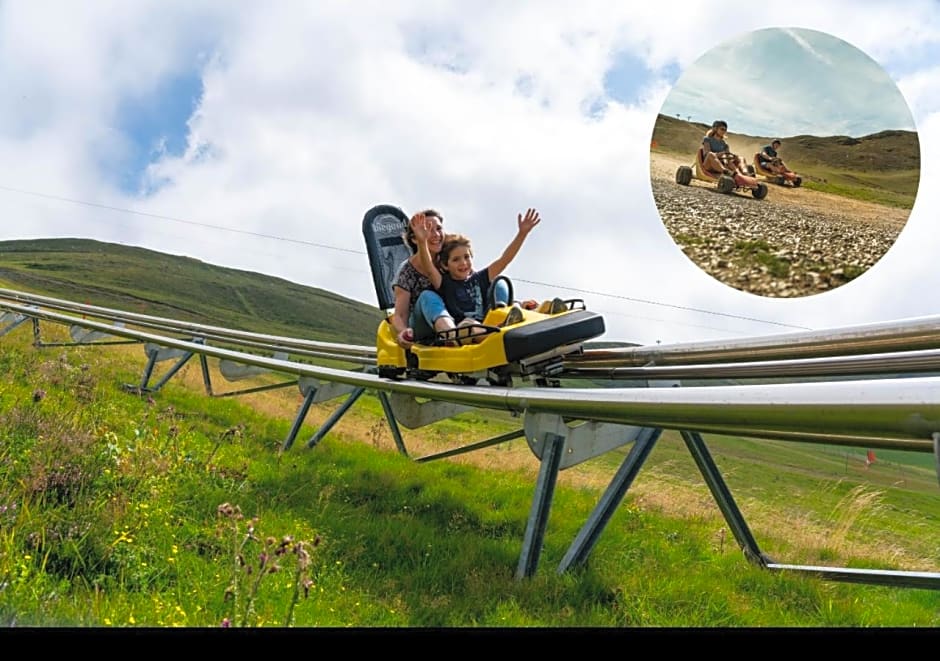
(684, 175)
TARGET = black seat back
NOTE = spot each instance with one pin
(383, 229)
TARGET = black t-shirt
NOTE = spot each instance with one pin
(466, 298)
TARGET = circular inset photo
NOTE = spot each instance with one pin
(785, 162)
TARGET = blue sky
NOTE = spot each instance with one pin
(155, 126)
(256, 135)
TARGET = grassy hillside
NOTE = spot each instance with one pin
(121, 510)
(883, 167)
(178, 510)
(148, 282)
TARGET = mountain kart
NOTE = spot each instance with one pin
(781, 178)
(724, 183)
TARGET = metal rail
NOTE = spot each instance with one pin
(850, 351)
(897, 413)
(274, 343)
(899, 335)
(889, 363)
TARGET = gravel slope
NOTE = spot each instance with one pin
(794, 242)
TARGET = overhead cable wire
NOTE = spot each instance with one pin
(362, 252)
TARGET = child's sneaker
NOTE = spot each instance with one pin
(558, 305)
(470, 331)
(513, 317)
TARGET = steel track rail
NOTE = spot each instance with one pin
(897, 362)
(352, 353)
(667, 362)
(883, 413)
(898, 335)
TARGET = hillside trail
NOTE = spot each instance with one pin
(663, 165)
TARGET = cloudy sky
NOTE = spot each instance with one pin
(255, 135)
(790, 81)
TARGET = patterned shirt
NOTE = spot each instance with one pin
(412, 281)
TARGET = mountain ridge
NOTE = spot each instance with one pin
(145, 281)
(886, 150)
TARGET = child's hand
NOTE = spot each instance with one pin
(528, 223)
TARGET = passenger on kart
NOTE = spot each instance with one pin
(717, 158)
(419, 310)
(464, 290)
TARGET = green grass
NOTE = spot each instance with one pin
(760, 252)
(179, 510)
(864, 193)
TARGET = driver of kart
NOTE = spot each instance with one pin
(770, 161)
(716, 156)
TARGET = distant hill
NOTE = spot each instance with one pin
(888, 160)
(153, 283)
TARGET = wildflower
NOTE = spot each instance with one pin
(303, 556)
(226, 509)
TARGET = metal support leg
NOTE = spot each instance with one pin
(334, 418)
(496, 440)
(392, 423)
(541, 504)
(723, 497)
(927, 580)
(299, 419)
(148, 369)
(588, 535)
(207, 380)
(205, 373)
(936, 453)
(172, 371)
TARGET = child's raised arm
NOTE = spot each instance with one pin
(526, 225)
